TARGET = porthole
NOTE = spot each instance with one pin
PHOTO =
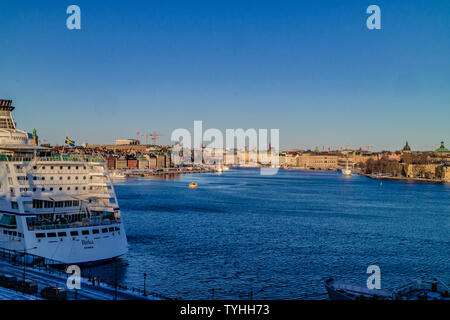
(51, 189)
(60, 167)
(43, 189)
(68, 188)
(60, 189)
(76, 178)
(34, 189)
(76, 188)
(60, 178)
(68, 178)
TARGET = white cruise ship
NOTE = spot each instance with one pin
(59, 207)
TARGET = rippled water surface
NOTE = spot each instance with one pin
(278, 236)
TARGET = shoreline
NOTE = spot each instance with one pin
(374, 176)
(149, 173)
(309, 170)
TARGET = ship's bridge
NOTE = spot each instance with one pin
(9, 135)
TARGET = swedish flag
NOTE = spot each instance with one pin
(70, 143)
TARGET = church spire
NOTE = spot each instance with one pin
(406, 148)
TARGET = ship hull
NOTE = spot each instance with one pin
(67, 250)
(88, 250)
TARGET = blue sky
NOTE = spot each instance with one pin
(310, 68)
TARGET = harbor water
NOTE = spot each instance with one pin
(277, 237)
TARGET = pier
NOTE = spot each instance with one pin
(46, 275)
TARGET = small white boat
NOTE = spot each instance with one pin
(346, 171)
(117, 175)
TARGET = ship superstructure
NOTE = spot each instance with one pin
(60, 207)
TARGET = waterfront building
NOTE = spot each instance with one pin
(126, 142)
(289, 159)
(443, 172)
(318, 161)
(142, 162)
(111, 162)
(121, 163)
(132, 164)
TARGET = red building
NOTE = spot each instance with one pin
(132, 164)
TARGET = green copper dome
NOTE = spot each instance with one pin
(442, 148)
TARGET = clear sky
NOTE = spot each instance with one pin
(310, 68)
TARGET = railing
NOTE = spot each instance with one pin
(60, 157)
(53, 268)
(72, 225)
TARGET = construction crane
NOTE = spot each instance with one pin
(146, 137)
(138, 135)
(155, 136)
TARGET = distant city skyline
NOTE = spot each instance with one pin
(311, 69)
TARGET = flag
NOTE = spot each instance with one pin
(70, 143)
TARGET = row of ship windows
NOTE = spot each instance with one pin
(51, 189)
(51, 178)
(13, 233)
(52, 167)
(76, 233)
(38, 204)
